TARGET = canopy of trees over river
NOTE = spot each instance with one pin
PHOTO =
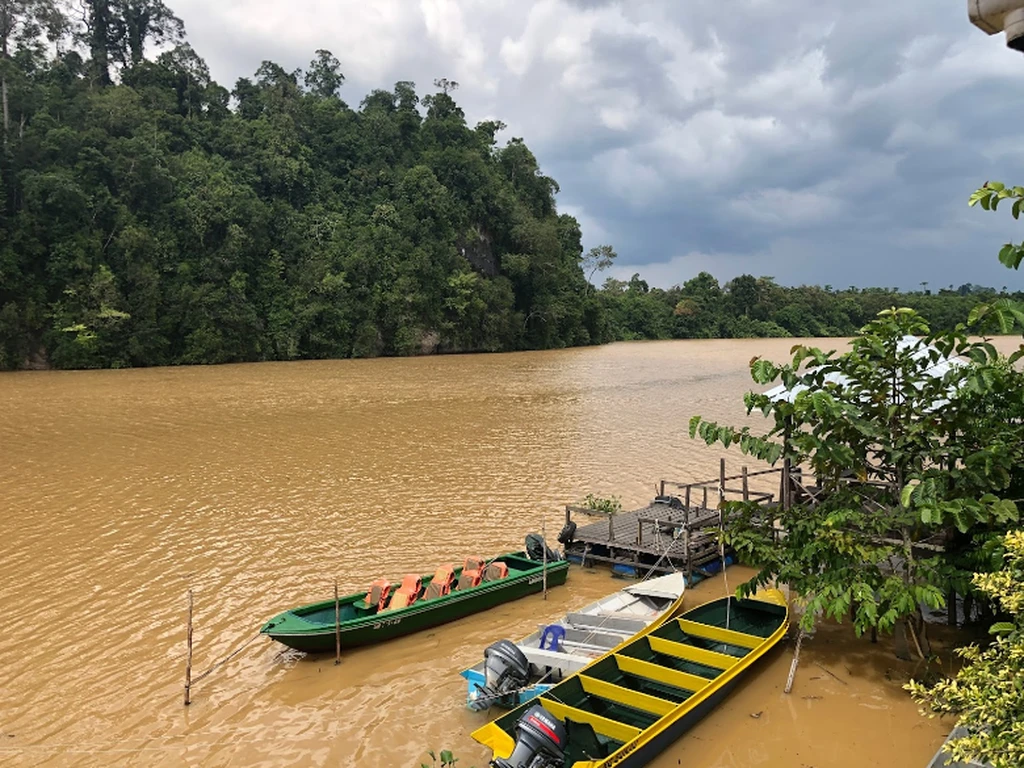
(149, 216)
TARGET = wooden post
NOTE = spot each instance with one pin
(721, 482)
(686, 538)
(746, 488)
(785, 484)
(337, 625)
(704, 504)
(545, 569)
(662, 488)
(611, 527)
(567, 515)
(796, 660)
(188, 659)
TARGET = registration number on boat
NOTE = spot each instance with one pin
(386, 623)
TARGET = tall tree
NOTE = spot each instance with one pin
(138, 22)
(22, 22)
(323, 76)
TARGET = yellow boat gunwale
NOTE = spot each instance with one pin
(502, 744)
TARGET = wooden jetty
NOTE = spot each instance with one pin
(678, 530)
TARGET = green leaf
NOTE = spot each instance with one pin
(905, 496)
(1001, 628)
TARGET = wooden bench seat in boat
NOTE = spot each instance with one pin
(599, 622)
(719, 634)
(568, 664)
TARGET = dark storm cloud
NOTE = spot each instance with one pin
(813, 140)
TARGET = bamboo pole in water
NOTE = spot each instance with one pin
(796, 660)
(544, 570)
(337, 625)
(188, 660)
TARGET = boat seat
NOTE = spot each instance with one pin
(442, 582)
(407, 594)
(495, 572)
(614, 623)
(468, 578)
(629, 698)
(474, 564)
(552, 637)
(542, 659)
(377, 596)
(719, 634)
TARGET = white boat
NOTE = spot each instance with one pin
(514, 672)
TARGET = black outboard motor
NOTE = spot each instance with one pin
(535, 546)
(540, 742)
(506, 670)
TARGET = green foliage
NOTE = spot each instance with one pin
(612, 505)
(445, 760)
(161, 221)
(986, 693)
(749, 307)
(902, 457)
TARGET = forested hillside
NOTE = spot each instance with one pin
(149, 216)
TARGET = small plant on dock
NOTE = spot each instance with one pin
(988, 692)
(612, 505)
(905, 461)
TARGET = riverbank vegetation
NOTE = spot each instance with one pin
(151, 216)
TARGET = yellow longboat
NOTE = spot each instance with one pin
(627, 706)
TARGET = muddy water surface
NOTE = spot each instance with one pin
(259, 485)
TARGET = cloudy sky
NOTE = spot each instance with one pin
(817, 141)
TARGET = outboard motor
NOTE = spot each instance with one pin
(535, 546)
(540, 742)
(506, 670)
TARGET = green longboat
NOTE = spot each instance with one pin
(630, 704)
(311, 628)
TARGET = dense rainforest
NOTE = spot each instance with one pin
(149, 216)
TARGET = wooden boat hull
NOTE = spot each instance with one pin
(628, 706)
(294, 629)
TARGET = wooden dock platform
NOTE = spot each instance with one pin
(677, 531)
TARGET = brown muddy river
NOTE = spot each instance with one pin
(259, 485)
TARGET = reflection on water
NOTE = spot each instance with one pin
(259, 485)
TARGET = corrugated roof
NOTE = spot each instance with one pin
(938, 369)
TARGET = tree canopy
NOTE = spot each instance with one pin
(150, 216)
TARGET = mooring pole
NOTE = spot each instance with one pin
(337, 625)
(796, 660)
(545, 568)
(188, 658)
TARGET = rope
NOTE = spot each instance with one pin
(515, 691)
(225, 660)
(675, 538)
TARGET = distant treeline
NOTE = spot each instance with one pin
(149, 216)
(748, 307)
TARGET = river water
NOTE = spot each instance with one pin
(258, 486)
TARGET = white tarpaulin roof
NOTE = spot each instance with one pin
(940, 368)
